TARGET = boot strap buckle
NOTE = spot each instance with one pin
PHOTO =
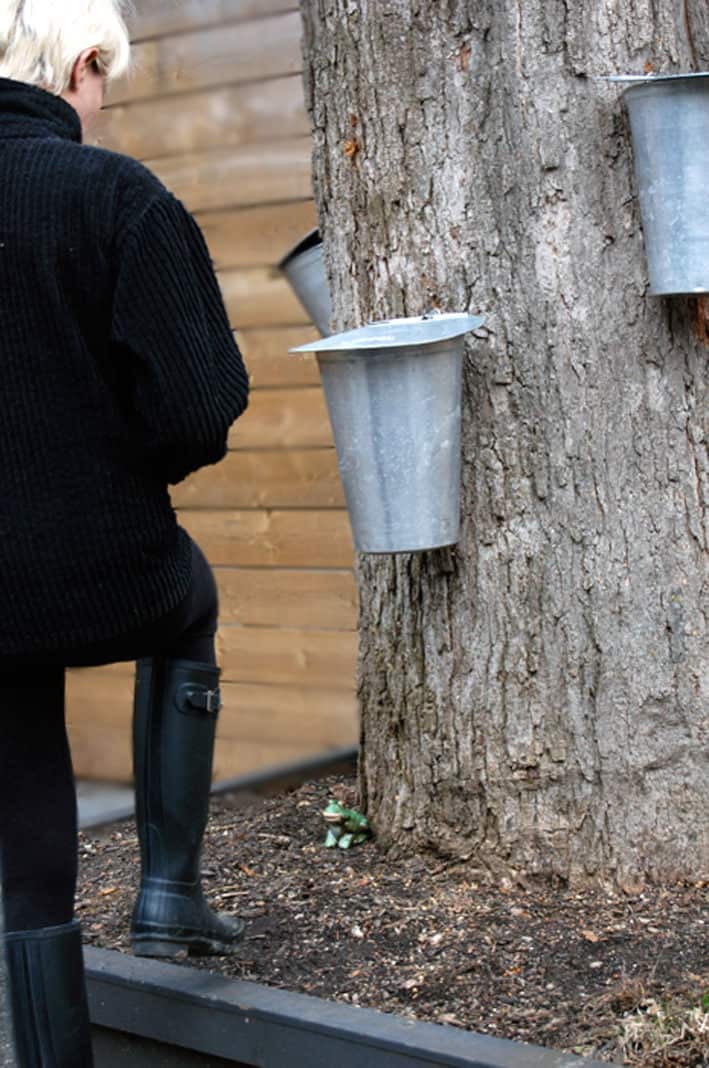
(198, 701)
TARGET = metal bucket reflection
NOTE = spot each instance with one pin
(669, 119)
(393, 392)
(304, 268)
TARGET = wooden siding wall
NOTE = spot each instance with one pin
(215, 107)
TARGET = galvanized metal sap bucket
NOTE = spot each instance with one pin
(669, 119)
(304, 268)
(393, 392)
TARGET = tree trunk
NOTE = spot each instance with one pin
(534, 700)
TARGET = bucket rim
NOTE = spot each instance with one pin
(309, 241)
(443, 544)
(632, 80)
(410, 332)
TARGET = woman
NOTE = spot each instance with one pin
(120, 376)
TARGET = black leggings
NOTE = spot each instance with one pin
(38, 825)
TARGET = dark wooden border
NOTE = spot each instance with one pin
(284, 776)
(253, 1025)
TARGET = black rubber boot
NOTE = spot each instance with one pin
(49, 1011)
(176, 708)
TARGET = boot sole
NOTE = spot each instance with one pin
(168, 948)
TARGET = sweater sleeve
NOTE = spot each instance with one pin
(187, 381)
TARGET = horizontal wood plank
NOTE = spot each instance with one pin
(260, 297)
(259, 726)
(315, 721)
(294, 478)
(104, 754)
(266, 353)
(104, 696)
(277, 656)
(286, 418)
(215, 118)
(272, 539)
(236, 756)
(156, 18)
(314, 735)
(254, 237)
(263, 597)
(220, 55)
(100, 752)
(237, 177)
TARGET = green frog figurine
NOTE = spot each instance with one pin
(346, 826)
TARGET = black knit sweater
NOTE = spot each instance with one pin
(119, 375)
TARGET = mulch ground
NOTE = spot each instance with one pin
(543, 964)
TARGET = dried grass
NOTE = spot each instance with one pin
(667, 1034)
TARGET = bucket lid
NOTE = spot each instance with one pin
(398, 333)
(311, 240)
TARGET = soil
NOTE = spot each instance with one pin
(559, 967)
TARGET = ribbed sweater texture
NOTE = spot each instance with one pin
(120, 376)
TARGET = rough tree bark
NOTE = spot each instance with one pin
(535, 700)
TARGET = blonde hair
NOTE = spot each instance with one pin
(40, 40)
